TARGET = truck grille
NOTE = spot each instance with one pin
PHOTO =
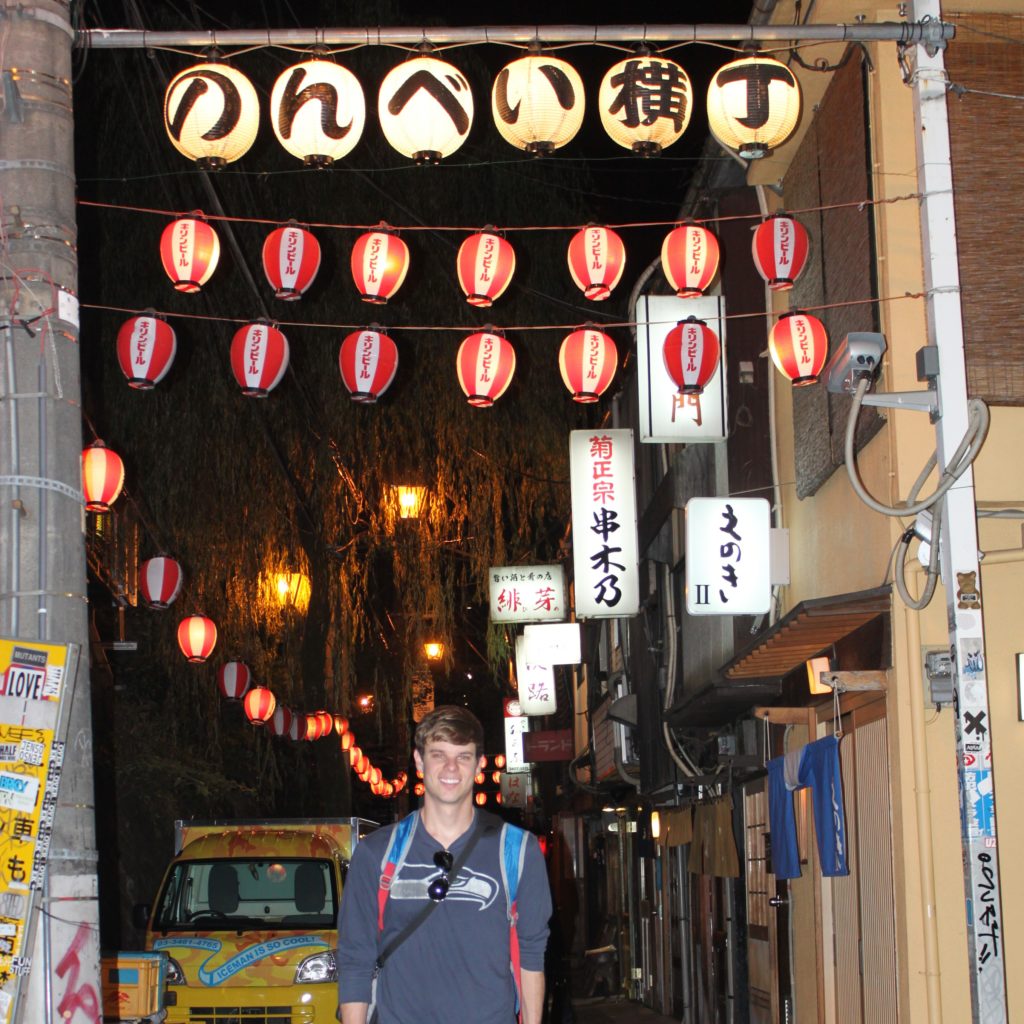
(249, 1015)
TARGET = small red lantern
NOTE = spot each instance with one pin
(499, 761)
(291, 259)
(689, 257)
(798, 344)
(485, 265)
(197, 637)
(281, 722)
(102, 477)
(587, 359)
(368, 361)
(354, 753)
(340, 725)
(347, 741)
(485, 365)
(691, 353)
(362, 765)
(296, 726)
(379, 264)
(597, 258)
(259, 357)
(234, 679)
(780, 247)
(189, 251)
(259, 705)
(481, 799)
(311, 730)
(146, 346)
(376, 776)
(160, 581)
(418, 789)
(326, 722)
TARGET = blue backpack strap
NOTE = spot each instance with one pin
(513, 849)
(393, 859)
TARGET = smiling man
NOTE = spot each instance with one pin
(424, 932)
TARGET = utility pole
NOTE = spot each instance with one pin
(42, 545)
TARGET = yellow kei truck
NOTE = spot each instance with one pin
(248, 915)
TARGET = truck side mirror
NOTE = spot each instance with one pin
(140, 915)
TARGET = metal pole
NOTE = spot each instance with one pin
(959, 541)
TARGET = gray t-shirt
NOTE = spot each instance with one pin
(455, 966)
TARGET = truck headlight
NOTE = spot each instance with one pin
(318, 968)
(175, 975)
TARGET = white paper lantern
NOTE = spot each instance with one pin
(645, 103)
(538, 103)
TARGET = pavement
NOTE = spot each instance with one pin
(615, 1010)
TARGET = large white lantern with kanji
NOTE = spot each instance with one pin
(645, 103)
(538, 103)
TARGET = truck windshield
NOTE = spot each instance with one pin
(238, 894)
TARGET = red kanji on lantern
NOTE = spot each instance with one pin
(102, 477)
(485, 266)
(597, 258)
(189, 251)
(259, 705)
(197, 636)
(291, 259)
(368, 361)
(379, 264)
(281, 721)
(689, 257)
(146, 346)
(234, 679)
(485, 365)
(160, 581)
(798, 344)
(259, 357)
(780, 247)
(587, 359)
(691, 351)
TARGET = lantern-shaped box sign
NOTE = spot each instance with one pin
(259, 705)
(197, 637)
(317, 111)
(485, 365)
(146, 346)
(160, 581)
(516, 723)
(689, 258)
(234, 679)
(538, 103)
(281, 721)
(291, 259)
(368, 361)
(212, 114)
(380, 261)
(553, 643)
(485, 265)
(691, 353)
(425, 108)
(645, 103)
(753, 105)
(527, 593)
(536, 684)
(597, 258)
(102, 477)
(798, 344)
(259, 358)
(189, 251)
(780, 248)
(587, 360)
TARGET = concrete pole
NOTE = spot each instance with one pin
(42, 550)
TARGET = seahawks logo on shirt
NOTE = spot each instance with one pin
(470, 886)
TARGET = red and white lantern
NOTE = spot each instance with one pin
(380, 261)
(587, 359)
(259, 357)
(348, 740)
(189, 251)
(798, 344)
(485, 365)
(311, 730)
(691, 352)
(368, 361)
(291, 259)
(281, 721)
(780, 247)
(325, 721)
(485, 266)
(234, 679)
(340, 725)
(160, 581)
(146, 346)
(597, 258)
(259, 705)
(102, 477)
(197, 637)
(689, 258)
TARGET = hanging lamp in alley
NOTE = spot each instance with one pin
(597, 258)
(368, 362)
(348, 741)
(296, 726)
(485, 265)
(197, 637)
(211, 113)
(691, 352)
(146, 347)
(587, 360)
(234, 679)
(780, 248)
(160, 581)
(317, 111)
(311, 728)
(259, 358)
(538, 102)
(340, 725)
(281, 721)
(259, 704)
(689, 258)
(798, 344)
(753, 105)
(102, 477)
(189, 252)
(485, 364)
(380, 260)
(291, 259)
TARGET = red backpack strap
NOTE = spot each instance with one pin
(392, 861)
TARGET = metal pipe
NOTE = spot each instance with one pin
(15, 457)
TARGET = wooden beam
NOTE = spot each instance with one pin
(849, 681)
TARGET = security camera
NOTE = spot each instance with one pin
(859, 355)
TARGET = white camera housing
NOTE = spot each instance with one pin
(859, 355)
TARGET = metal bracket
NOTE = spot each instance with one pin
(921, 401)
(43, 484)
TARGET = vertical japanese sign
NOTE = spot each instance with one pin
(527, 593)
(516, 723)
(517, 789)
(604, 540)
(727, 556)
(536, 683)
